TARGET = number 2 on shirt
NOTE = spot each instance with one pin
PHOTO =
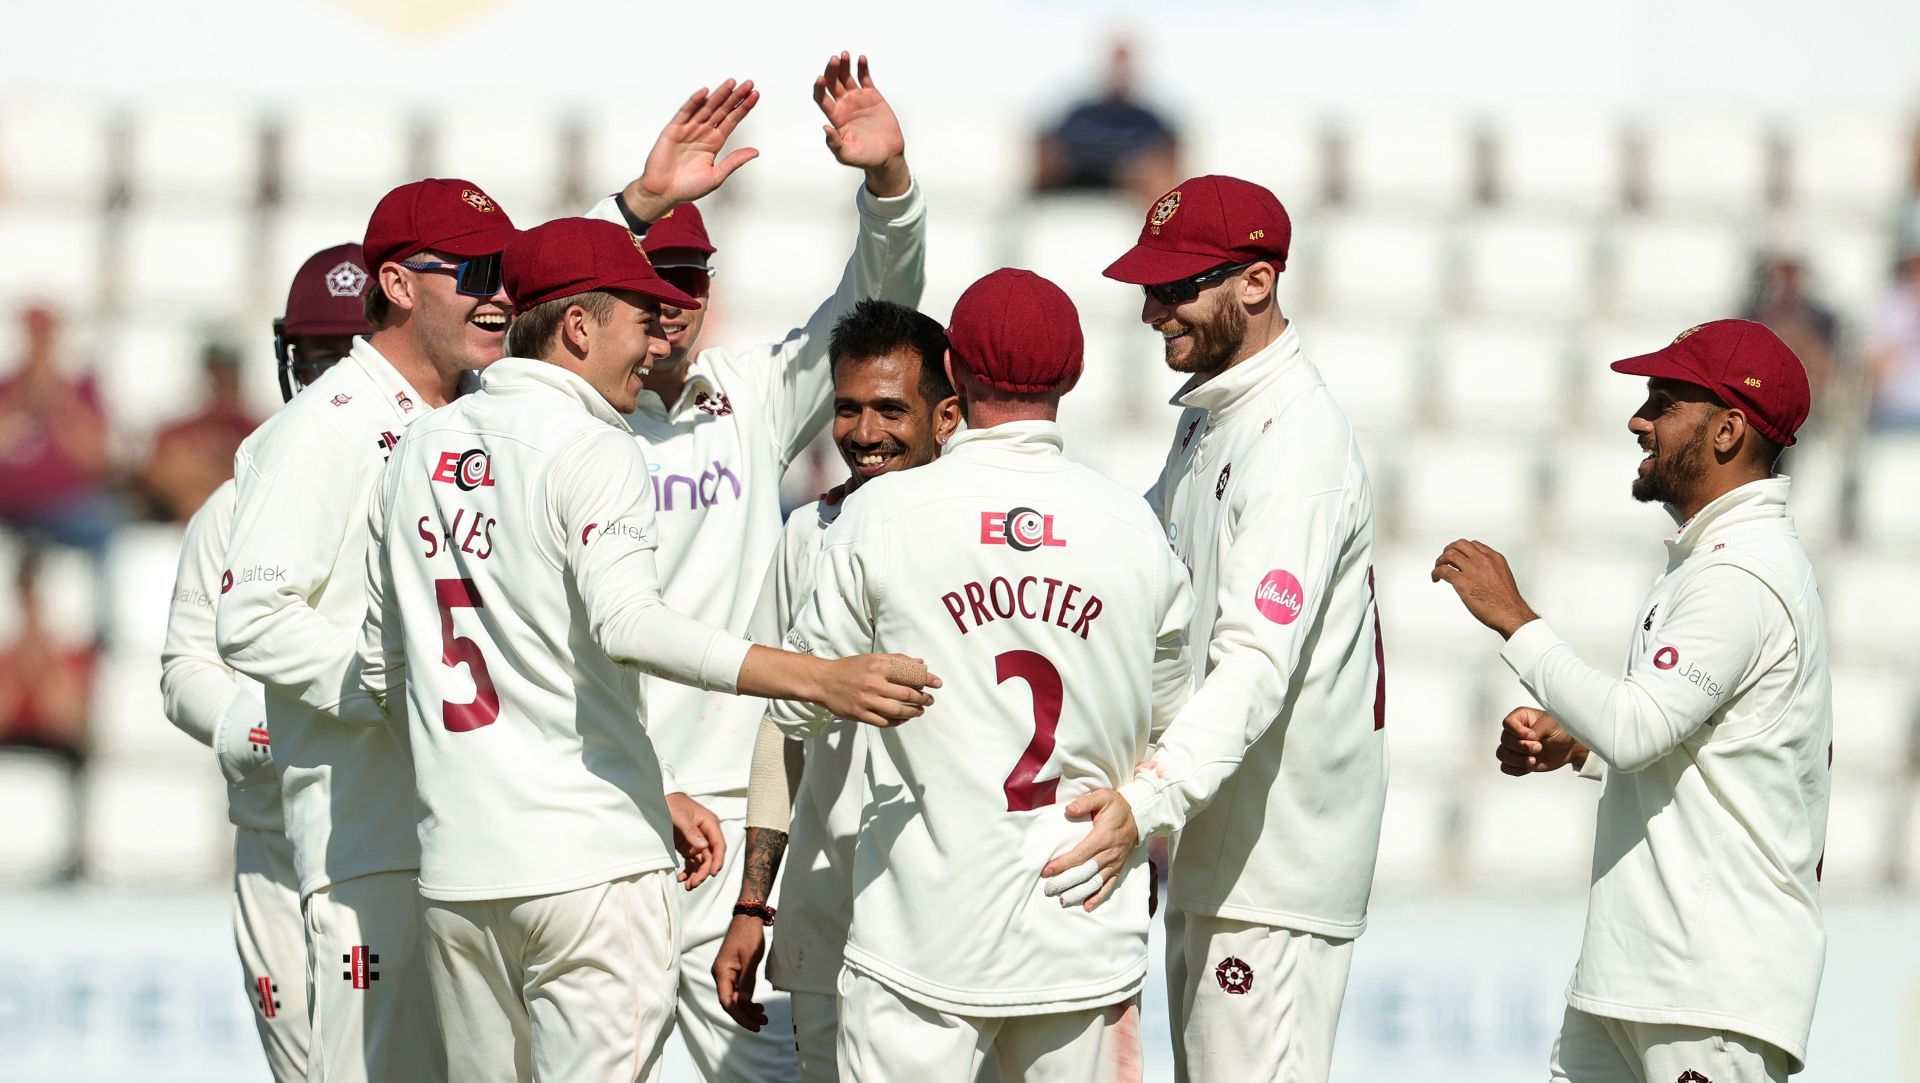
(485, 705)
(1025, 791)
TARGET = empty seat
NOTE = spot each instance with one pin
(1860, 816)
(145, 558)
(196, 154)
(1417, 832)
(53, 154)
(155, 826)
(190, 265)
(1592, 598)
(1890, 480)
(150, 373)
(1121, 377)
(1420, 616)
(36, 804)
(1374, 369)
(1608, 399)
(1591, 501)
(1818, 469)
(1429, 705)
(1501, 377)
(978, 162)
(1529, 267)
(294, 235)
(961, 247)
(1283, 150)
(1474, 488)
(1382, 266)
(1874, 715)
(1849, 264)
(1705, 162)
(795, 168)
(1850, 161)
(774, 269)
(1871, 614)
(50, 255)
(1417, 158)
(129, 717)
(1689, 270)
(1531, 832)
(1130, 453)
(342, 156)
(1070, 240)
(514, 154)
(1559, 160)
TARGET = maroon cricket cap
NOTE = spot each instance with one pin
(1202, 224)
(682, 230)
(1745, 365)
(1016, 331)
(578, 255)
(325, 298)
(443, 215)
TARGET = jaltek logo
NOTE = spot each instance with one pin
(1666, 658)
(1235, 976)
(259, 573)
(468, 469)
(625, 530)
(1022, 528)
(1280, 597)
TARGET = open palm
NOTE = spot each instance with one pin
(685, 162)
(862, 131)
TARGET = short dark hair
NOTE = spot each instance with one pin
(876, 328)
(532, 330)
(1765, 452)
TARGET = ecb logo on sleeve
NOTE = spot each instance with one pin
(1022, 528)
(468, 469)
(1234, 976)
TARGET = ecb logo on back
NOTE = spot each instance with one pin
(1022, 528)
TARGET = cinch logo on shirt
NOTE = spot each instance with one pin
(701, 492)
(1280, 597)
(468, 469)
(1023, 528)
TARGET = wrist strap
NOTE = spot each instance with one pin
(755, 910)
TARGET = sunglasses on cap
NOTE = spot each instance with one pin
(1180, 291)
(693, 279)
(475, 277)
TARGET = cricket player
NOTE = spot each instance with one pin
(514, 536)
(228, 713)
(1704, 941)
(1047, 598)
(720, 427)
(1275, 774)
(294, 595)
(893, 409)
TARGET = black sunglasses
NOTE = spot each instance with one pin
(475, 277)
(692, 279)
(1180, 291)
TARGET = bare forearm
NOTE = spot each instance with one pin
(765, 848)
(771, 673)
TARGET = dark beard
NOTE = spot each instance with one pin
(1672, 477)
(1215, 341)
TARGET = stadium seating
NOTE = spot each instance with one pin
(1528, 268)
(1849, 161)
(1711, 163)
(35, 789)
(149, 826)
(1680, 269)
(1501, 377)
(341, 157)
(195, 154)
(1562, 161)
(52, 256)
(1413, 158)
(54, 154)
(1888, 489)
(514, 154)
(1531, 833)
(1381, 266)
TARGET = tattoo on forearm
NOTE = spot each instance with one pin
(765, 848)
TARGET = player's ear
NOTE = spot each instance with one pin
(1256, 284)
(1729, 431)
(576, 329)
(398, 286)
(946, 419)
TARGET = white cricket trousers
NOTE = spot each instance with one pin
(373, 1018)
(1596, 1049)
(886, 1038)
(576, 987)
(1252, 1002)
(271, 938)
(816, 1033)
(722, 1050)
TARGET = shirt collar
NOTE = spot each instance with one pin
(1276, 363)
(1753, 502)
(399, 395)
(514, 375)
(698, 380)
(1034, 438)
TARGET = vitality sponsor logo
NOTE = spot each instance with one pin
(360, 963)
(471, 469)
(1022, 528)
(675, 491)
(1280, 598)
(1235, 976)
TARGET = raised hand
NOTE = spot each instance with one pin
(1479, 574)
(685, 161)
(862, 131)
(1531, 741)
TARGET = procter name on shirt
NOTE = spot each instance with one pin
(1668, 659)
(258, 573)
(1028, 597)
(688, 491)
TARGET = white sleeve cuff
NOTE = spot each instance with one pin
(1528, 647)
(887, 207)
(244, 761)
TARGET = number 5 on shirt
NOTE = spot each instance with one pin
(1024, 790)
(454, 650)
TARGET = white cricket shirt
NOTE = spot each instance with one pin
(203, 697)
(295, 595)
(717, 457)
(1044, 597)
(1277, 766)
(513, 589)
(1705, 907)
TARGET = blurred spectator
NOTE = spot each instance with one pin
(46, 687)
(1893, 348)
(1781, 299)
(53, 448)
(1112, 142)
(193, 456)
